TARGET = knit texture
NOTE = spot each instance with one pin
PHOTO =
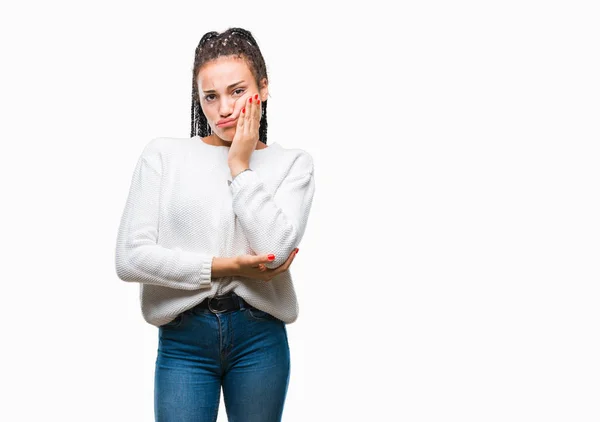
(183, 209)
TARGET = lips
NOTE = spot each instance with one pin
(226, 122)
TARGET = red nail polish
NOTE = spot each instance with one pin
(271, 257)
(297, 250)
(257, 101)
(244, 110)
(256, 96)
(250, 99)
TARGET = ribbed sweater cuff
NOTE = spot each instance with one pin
(240, 179)
(205, 274)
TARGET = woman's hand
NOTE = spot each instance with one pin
(246, 133)
(252, 266)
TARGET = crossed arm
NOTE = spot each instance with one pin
(271, 223)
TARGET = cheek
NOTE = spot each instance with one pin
(211, 111)
(209, 115)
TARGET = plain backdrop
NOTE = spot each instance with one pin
(449, 271)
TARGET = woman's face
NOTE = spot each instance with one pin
(224, 86)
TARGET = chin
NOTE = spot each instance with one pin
(227, 135)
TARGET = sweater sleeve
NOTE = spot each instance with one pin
(275, 223)
(138, 256)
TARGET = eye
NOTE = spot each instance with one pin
(208, 97)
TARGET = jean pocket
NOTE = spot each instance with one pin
(259, 315)
(175, 322)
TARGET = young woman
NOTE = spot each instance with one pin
(210, 228)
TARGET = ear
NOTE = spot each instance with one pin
(264, 90)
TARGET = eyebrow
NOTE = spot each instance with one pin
(229, 87)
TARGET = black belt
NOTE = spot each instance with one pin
(225, 303)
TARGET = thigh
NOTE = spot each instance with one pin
(187, 380)
(257, 375)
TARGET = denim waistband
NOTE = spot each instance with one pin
(224, 303)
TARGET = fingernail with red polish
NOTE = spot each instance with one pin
(250, 99)
(256, 96)
(271, 257)
(297, 250)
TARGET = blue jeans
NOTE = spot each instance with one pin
(245, 351)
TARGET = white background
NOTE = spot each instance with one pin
(449, 271)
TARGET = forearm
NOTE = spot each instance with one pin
(141, 260)
(273, 223)
(224, 267)
(236, 167)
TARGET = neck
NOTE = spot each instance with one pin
(212, 139)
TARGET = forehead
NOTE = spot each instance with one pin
(223, 71)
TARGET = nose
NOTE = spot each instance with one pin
(226, 108)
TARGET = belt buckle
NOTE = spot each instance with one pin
(211, 309)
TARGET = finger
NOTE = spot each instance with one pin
(290, 259)
(258, 116)
(283, 267)
(240, 122)
(248, 115)
(259, 259)
(254, 121)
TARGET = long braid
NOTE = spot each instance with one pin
(232, 42)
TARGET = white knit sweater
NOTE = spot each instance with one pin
(181, 212)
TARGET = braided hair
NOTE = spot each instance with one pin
(232, 42)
